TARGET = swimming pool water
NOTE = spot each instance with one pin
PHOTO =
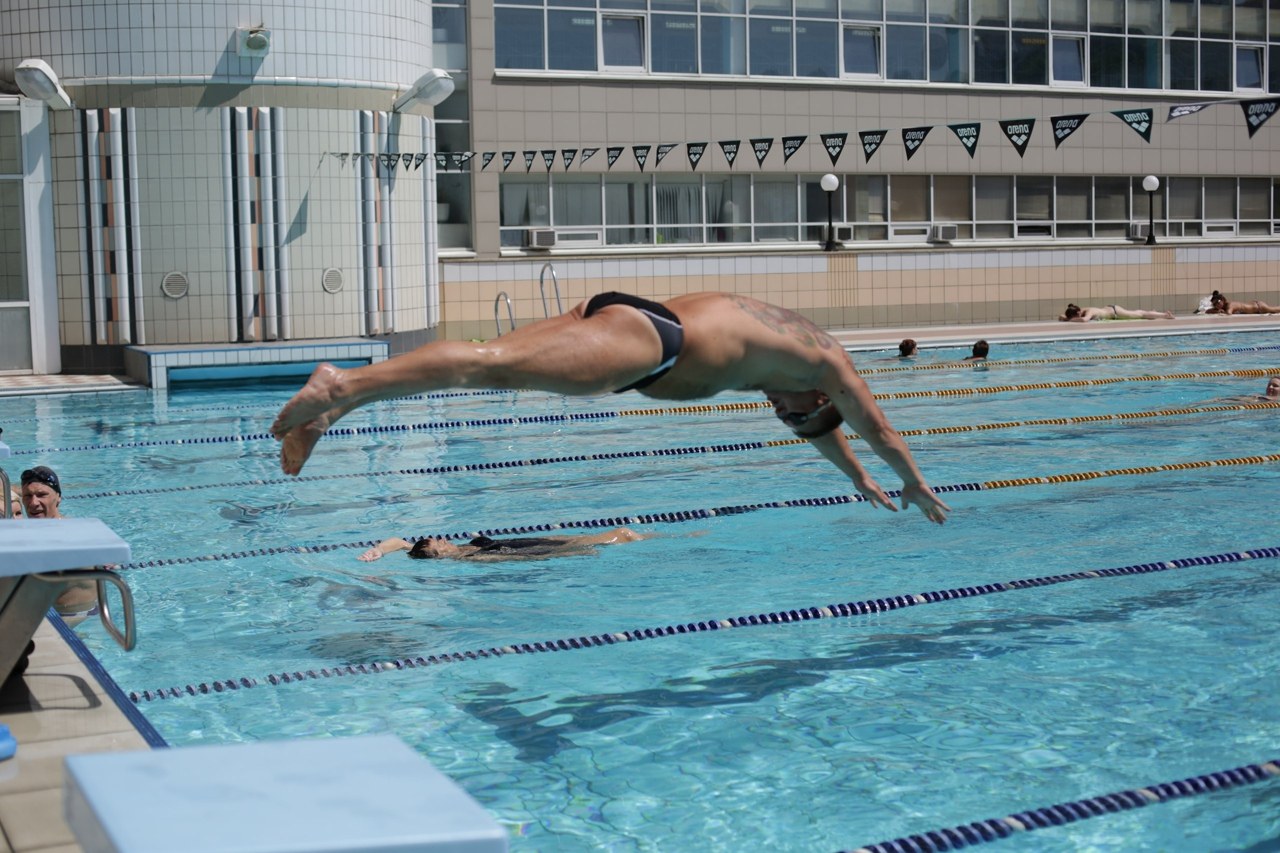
(811, 736)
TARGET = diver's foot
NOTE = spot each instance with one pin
(297, 444)
(321, 394)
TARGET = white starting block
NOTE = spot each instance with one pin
(371, 794)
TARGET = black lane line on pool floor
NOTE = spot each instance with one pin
(687, 451)
(1059, 814)
(803, 614)
(677, 516)
(702, 409)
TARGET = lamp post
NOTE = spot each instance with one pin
(830, 183)
(1151, 183)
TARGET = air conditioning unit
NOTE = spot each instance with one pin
(540, 238)
(844, 233)
(943, 233)
(1139, 230)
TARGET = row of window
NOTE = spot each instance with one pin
(1197, 49)
(594, 210)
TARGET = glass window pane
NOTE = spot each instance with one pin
(1215, 66)
(1182, 19)
(13, 277)
(675, 44)
(1144, 64)
(524, 201)
(1248, 68)
(1106, 61)
(1273, 69)
(862, 10)
(674, 5)
(1034, 198)
(948, 55)
(1070, 15)
(815, 201)
(626, 202)
(991, 56)
(817, 49)
(948, 11)
(622, 40)
(776, 8)
(1219, 198)
(10, 143)
(816, 9)
(952, 198)
(1068, 59)
(868, 199)
(1029, 13)
(1106, 16)
(576, 201)
(905, 53)
(993, 198)
(1030, 58)
(862, 50)
(724, 45)
(1215, 19)
(729, 209)
(517, 38)
(1072, 198)
(1111, 199)
(571, 40)
(678, 202)
(1184, 198)
(771, 47)
(775, 200)
(905, 11)
(1255, 198)
(909, 198)
(1251, 20)
(1145, 17)
(1183, 61)
(991, 13)
(723, 7)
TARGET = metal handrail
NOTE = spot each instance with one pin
(555, 283)
(129, 637)
(511, 312)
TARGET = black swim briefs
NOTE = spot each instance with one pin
(527, 545)
(667, 325)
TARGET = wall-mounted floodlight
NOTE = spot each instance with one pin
(36, 80)
(429, 90)
(253, 41)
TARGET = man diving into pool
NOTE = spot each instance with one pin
(690, 347)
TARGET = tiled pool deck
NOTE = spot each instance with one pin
(58, 709)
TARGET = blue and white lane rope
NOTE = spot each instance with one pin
(676, 516)
(802, 614)
(1045, 817)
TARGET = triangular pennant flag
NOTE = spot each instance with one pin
(663, 151)
(1064, 126)
(612, 153)
(913, 138)
(441, 161)
(730, 149)
(1184, 110)
(790, 145)
(871, 140)
(1018, 132)
(641, 153)
(389, 160)
(456, 159)
(587, 154)
(371, 158)
(1140, 120)
(406, 160)
(507, 158)
(465, 157)
(834, 143)
(548, 158)
(762, 147)
(528, 159)
(1257, 112)
(568, 154)
(342, 158)
(967, 133)
(485, 159)
(417, 160)
(696, 150)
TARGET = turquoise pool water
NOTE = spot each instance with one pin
(820, 735)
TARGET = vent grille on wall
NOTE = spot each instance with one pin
(331, 280)
(175, 285)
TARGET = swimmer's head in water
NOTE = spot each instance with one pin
(907, 348)
(1273, 387)
(432, 549)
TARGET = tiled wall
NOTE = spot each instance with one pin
(874, 289)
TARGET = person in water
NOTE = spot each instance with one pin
(1076, 314)
(690, 347)
(484, 549)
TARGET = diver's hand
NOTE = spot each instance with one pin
(929, 503)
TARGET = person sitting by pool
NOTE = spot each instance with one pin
(1222, 305)
(484, 549)
(42, 498)
(1076, 314)
(980, 350)
(690, 347)
(907, 348)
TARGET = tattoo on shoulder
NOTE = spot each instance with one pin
(786, 322)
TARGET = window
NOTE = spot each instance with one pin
(1068, 60)
(1220, 198)
(1029, 13)
(1106, 61)
(862, 51)
(1255, 196)
(905, 53)
(991, 56)
(1249, 67)
(1144, 64)
(576, 201)
(817, 50)
(1030, 58)
(1145, 17)
(993, 206)
(770, 47)
(867, 200)
(724, 45)
(1033, 204)
(774, 201)
(1183, 62)
(1074, 202)
(1070, 15)
(523, 202)
(678, 209)
(571, 40)
(518, 38)
(675, 44)
(729, 209)
(622, 42)
(953, 202)
(1110, 207)
(1215, 66)
(626, 210)
(1183, 20)
(909, 198)
(948, 55)
(1215, 19)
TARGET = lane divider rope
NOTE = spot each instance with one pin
(993, 829)
(678, 516)
(802, 614)
(1131, 356)
(679, 451)
(623, 413)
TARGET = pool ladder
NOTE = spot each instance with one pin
(542, 290)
